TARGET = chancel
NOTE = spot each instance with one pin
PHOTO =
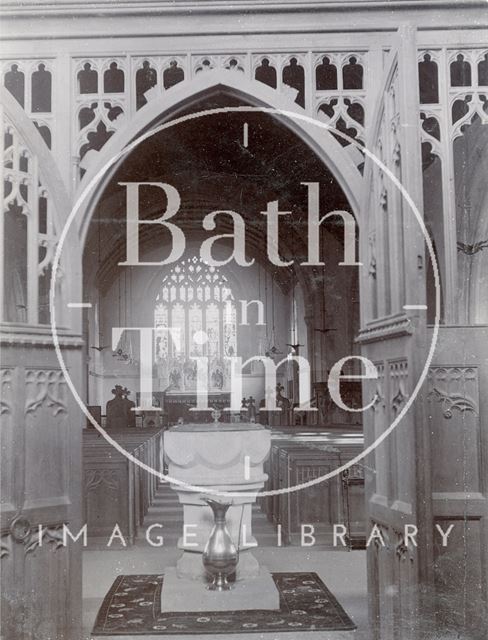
(244, 320)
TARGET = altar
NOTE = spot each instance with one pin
(178, 407)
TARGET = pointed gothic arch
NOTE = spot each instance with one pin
(319, 139)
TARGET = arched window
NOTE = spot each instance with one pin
(196, 299)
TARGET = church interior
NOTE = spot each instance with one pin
(297, 310)
(244, 320)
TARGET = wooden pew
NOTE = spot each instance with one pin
(110, 493)
(297, 456)
(320, 505)
(116, 490)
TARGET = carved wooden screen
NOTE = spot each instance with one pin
(454, 117)
(393, 337)
(40, 422)
(28, 219)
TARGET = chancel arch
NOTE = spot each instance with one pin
(254, 93)
(214, 174)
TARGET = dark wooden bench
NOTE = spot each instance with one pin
(296, 458)
(116, 490)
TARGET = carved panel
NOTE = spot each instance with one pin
(398, 385)
(401, 440)
(31, 83)
(340, 97)
(112, 494)
(380, 553)
(5, 545)
(380, 421)
(45, 387)
(31, 537)
(467, 90)
(406, 601)
(101, 477)
(152, 75)
(393, 561)
(459, 573)
(453, 399)
(30, 231)
(455, 389)
(454, 88)
(6, 394)
(7, 434)
(46, 428)
(98, 112)
(100, 104)
(47, 570)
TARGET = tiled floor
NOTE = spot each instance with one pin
(343, 572)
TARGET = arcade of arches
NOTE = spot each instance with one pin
(416, 97)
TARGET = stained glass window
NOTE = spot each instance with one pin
(197, 300)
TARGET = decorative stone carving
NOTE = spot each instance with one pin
(45, 387)
(384, 532)
(20, 528)
(472, 249)
(454, 388)
(379, 397)
(385, 328)
(30, 83)
(356, 472)
(23, 532)
(96, 477)
(5, 545)
(23, 194)
(372, 255)
(397, 154)
(398, 382)
(52, 535)
(6, 395)
(454, 401)
(402, 550)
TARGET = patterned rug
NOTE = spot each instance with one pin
(132, 607)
